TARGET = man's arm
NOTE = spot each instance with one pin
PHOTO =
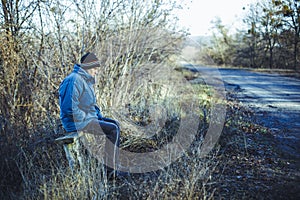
(69, 101)
(78, 114)
(100, 117)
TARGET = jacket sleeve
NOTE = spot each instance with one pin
(78, 114)
(69, 100)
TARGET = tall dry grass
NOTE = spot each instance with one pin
(135, 86)
(46, 175)
(187, 178)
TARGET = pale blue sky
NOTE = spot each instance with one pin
(199, 15)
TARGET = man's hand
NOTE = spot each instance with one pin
(99, 115)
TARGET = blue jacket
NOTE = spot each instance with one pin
(77, 100)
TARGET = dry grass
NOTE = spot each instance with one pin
(46, 175)
(134, 56)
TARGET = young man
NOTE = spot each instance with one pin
(79, 110)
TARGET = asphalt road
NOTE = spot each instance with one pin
(274, 98)
(265, 90)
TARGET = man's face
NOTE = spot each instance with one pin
(93, 72)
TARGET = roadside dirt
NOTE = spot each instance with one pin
(259, 157)
(274, 99)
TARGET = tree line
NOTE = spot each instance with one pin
(271, 38)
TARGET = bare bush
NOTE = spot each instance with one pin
(40, 43)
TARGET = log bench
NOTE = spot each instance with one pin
(71, 145)
(75, 143)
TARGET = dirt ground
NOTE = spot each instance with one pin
(256, 161)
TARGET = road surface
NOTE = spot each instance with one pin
(274, 98)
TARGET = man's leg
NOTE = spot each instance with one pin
(112, 132)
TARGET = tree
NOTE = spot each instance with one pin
(273, 33)
(289, 11)
(253, 37)
(271, 25)
(222, 50)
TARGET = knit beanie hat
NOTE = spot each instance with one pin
(89, 60)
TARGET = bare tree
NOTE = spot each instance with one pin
(289, 11)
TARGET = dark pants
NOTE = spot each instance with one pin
(111, 129)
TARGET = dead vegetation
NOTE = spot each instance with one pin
(133, 40)
(138, 54)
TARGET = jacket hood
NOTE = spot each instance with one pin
(84, 74)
